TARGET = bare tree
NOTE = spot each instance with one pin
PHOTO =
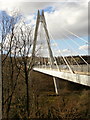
(16, 44)
(7, 29)
(23, 45)
(17, 40)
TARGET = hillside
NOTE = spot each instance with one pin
(72, 103)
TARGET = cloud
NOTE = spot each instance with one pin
(66, 51)
(69, 15)
(72, 15)
(84, 47)
(26, 7)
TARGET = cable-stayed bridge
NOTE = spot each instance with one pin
(49, 58)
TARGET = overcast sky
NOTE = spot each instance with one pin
(63, 18)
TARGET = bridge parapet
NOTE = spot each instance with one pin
(77, 78)
(81, 69)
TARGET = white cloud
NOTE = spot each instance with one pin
(72, 17)
(84, 47)
(69, 14)
(30, 19)
(66, 51)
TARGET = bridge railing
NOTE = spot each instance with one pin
(81, 68)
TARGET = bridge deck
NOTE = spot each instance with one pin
(83, 79)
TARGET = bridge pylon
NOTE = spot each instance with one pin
(41, 18)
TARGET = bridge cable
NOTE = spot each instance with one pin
(74, 59)
(62, 55)
(72, 56)
(73, 41)
(57, 64)
(75, 35)
(79, 55)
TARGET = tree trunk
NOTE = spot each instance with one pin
(27, 89)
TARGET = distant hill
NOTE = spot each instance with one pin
(60, 60)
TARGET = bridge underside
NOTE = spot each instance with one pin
(80, 79)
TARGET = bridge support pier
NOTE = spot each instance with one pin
(56, 84)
